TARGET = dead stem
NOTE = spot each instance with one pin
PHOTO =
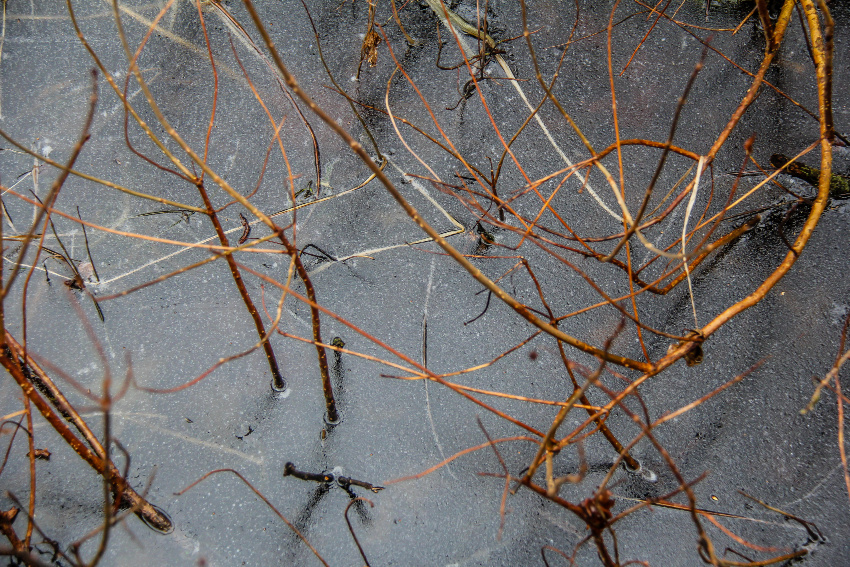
(507, 479)
(351, 530)
(32, 455)
(278, 382)
(119, 486)
(261, 497)
(824, 68)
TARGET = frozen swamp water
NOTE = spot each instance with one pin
(373, 266)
